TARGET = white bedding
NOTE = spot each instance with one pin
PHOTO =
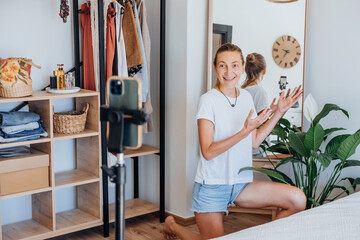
(338, 220)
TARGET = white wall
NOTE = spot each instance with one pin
(176, 106)
(332, 63)
(196, 85)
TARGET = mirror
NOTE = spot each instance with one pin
(255, 26)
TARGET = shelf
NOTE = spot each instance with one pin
(75, 219)
(26, 193)
(263, 162)
(144, 150)
(43, 95)
(14, 144)
(272, 157)
(29, 229)
(133, 208)
(85, 133)
(73, 178)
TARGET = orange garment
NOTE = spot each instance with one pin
(110, 41)
(88, 63)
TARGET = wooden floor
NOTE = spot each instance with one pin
(148, 227)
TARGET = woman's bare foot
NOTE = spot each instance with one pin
(168, 228)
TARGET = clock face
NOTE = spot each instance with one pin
(286, 51)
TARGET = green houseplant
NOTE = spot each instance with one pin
(308, 161)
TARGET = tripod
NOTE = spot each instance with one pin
(117, 172)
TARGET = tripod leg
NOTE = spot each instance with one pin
(120, 170)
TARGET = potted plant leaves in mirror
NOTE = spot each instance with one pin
(308, 161)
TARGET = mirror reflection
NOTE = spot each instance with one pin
(275, 31)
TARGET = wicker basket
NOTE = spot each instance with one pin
(71, 121)
(15, 80)
(22, 91)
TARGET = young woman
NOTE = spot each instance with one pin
(255, 69)
(228, 129)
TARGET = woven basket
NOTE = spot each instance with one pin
(71, 121)
(21, 91)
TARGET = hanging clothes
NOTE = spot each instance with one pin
(110, 41)
(87, 50)
(147, 106)
(142, 74)
(95, 41)
(131, 38)
(120, 44)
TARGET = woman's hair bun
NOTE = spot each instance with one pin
(250, 57)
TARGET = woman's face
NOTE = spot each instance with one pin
(229, 68)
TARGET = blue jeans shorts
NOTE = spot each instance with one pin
(214, 198)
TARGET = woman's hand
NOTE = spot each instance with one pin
(251, 124)
(286, 102)
(273, 106)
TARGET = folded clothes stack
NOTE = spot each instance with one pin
(20, 126)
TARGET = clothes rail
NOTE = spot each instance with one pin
(162, 113)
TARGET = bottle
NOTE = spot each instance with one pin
(60, 77)
(53, 82)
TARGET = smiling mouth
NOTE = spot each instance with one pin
(229, 78)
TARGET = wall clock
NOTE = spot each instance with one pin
(286, 51)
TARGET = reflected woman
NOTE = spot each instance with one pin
(255, 69)
(229, 127)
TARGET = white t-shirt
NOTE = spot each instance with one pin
(259, 96)
(260, 99)
(224, 168)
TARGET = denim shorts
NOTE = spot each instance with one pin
(214, 198)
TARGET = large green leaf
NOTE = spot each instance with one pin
(279, 131)
(287, 179)
(353, 182)
(285, 122)
(314, 137)
(296, 141)
(279, 176)
(334, 144)
(324, 159)
(348, 146)
(325, 111)
(351, 163)
(287, 160)
(347, 163)
(331, 130)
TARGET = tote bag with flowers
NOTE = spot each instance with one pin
(15, 78)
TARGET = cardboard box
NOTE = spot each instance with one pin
(20, 174)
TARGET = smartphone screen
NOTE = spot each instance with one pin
(125, 93)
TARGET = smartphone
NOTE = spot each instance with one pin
(125, 93)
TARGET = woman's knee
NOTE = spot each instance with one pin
(298, 200)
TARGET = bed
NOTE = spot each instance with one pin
(338, 220)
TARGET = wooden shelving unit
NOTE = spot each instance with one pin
(134, 208)
(85, 178)
(137, 206)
